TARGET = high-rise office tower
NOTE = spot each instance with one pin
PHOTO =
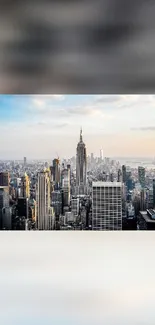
(23, 207)
(25, 161)
(92, 158)
(56, 170)
(69, 168)
(107, 206)
(44, 211)
(4, 179)
(141, 176)
(143, 200)
(154, 193)
(119, 177)
(5, 211)
(81, 164)
(56, 202)
(75, 206)
(65, 178)
(124, 174)
(111, 177)
(25, 186)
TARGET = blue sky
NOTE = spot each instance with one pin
(38, 126)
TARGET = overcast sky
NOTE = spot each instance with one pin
(38, 126)
(77, 278)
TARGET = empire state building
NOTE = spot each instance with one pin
(81, 165)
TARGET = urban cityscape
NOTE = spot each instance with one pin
(81, 193)
(89, 192)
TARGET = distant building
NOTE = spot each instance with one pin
(141, 176)
(65, 180)
(25, 161)
(33, 211)
(75, 206)
(25, 186)
(81, 165)
(56, 202)
(119, 176)
(154, 193)
(129, 181)
(69, 217)
(5, 211)
(56, 170)
(107, 206)
(23, 207)
(143, 200)
(124, 174)
(111, 177)
(4, 179)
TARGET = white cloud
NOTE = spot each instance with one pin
(103, 118)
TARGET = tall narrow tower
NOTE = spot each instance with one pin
(44, 216)
(25, 186)
(81, 163)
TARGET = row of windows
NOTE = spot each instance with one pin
(107, 228)
(107, 189)
(106, 195)
(108, 209)
(110, 202)
(103, 198)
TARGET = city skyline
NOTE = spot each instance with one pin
(38, 126)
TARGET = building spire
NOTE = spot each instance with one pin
(81, 134)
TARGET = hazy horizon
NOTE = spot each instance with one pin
(39, 126)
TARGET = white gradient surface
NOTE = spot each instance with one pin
(77, 278)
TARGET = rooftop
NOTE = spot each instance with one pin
(146, 217)
(107, 184)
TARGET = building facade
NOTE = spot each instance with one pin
(4, 179)
(65, 180)
(56, 171)
(25, 186)
(154, 193)
(81, 165)
(44, 210)
(141, 176)
(5, 211)
(107, 206)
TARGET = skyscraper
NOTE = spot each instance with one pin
(124, 174)
(5, 213)
(81, 164)
(45, 213)
(4, 179)
(23, 207)
(25, 186)
(119, 176)
(65, 178)
(25, 161)
(154, 193)
(56, 170)
(107, 206)
(143, 200)
(141, 176)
